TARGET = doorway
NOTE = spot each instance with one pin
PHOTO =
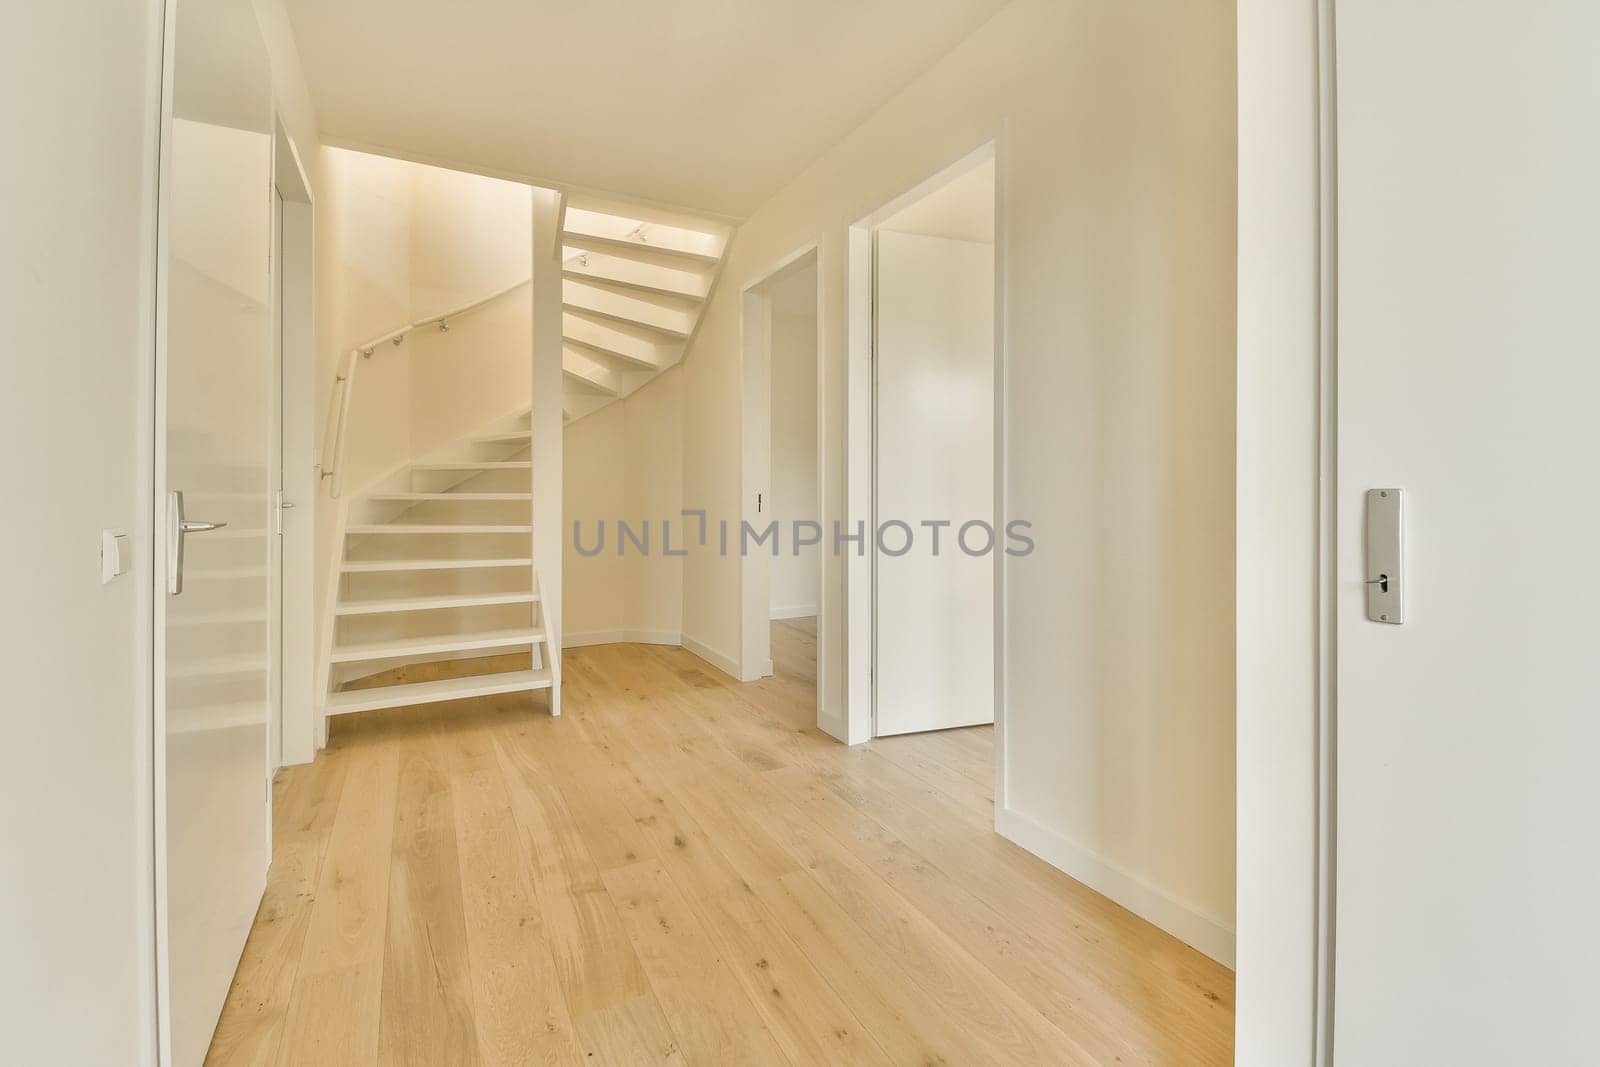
(293, 699)
(783, 474)
(933, 515)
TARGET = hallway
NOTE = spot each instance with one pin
(682, 869)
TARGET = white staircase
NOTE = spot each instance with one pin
(437, 564)
(437, 557)
(634, 284)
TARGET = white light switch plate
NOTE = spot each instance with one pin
(116, 549)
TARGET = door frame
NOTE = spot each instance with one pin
(861, 445)
(755, 346)
(294, 346)
(1286, 478)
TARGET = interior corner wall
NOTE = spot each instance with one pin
(1116, 174)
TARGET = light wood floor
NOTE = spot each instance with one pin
(681, 869)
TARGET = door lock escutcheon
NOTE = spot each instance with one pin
(1385, 580)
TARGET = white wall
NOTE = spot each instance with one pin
(402, 241)
(470, 236)
(594, 455)
(653, 479)
(478, 371)
(795, 580)
(625, 462)
(373, 211)
(75, 817)
(1117, 176)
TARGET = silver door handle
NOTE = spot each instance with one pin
(177, 528)
(286, 505)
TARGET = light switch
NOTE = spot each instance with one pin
(116, 552)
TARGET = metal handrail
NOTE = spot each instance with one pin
(332, 465)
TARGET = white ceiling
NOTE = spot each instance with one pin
(706, 104)
(962, 210)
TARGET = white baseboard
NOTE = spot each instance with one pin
(799, 611)
(726, 664)
(1192, 927)
(616, 637)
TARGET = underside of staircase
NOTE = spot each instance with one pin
(633, 286)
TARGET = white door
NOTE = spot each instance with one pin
(934, 361)
(1468, 809)
(214, 442)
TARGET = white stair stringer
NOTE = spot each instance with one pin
(634, 285)
(436, 564)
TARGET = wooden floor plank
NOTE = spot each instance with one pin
(333, 1013)
(714, 1019)
(520, 1014)
(427, 1015)
(251, 1026)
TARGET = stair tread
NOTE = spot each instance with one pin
(438, 527)
(429, 603)
(681, 291)
(447, 643)
(370, 566)
(627, 232)
(574, 300)
(450, 496)
(477, 465)
(394, 696)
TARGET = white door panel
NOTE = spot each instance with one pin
(215, 439)
(934, 360)
(1469, 255)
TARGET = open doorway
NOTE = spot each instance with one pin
(291, 682)
(783, 583)
(937, 530)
